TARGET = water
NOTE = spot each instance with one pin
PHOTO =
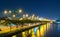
(46, 30)
(37, 31)
(54, 31)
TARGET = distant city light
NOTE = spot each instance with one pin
(23, 15)
(5, 12)
(9, 11)
(40, 18)
(57, 22)
(21, 19)
(20, 11)
(12, 24)
(26, 15)
(14, 15)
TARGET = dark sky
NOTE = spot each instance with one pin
(42, 8)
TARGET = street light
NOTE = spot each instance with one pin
(9, 11)
(26, 15)
(20, 11)
(14, 15)
(5, 12)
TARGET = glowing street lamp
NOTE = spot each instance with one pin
(26, 15)
(13, 12)
(20, 11)
(9, 11)
(5, 12)
(14, 15)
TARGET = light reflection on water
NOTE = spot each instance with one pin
(36, 33)
(44, 29)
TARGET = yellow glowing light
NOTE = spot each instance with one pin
(5, 12)
(38, 34)
(26, 15)
(20, 11)
(2, 21)
(42, 30)
(14, 15)
(14, 36)
(23, 34)
(21, 19)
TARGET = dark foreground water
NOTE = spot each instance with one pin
(54, 31)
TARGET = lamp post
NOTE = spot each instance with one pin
(20, 11)
(5, 12)
(27, 15)
(14, 15)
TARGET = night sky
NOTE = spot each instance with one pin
(43, 8)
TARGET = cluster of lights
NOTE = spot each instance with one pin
(24, 15)
(6, 12)
(30, 17)
(9, 12)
